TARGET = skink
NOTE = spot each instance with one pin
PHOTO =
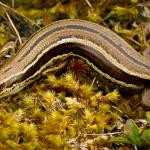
(108, 54)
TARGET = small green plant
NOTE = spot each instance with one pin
(134, 135)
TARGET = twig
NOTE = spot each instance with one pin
(13, 26)
(135, 147)
(89, 4)
(134, 41)
(13, 10)
(13, 3)
(117, 109)
(93, 81)
(55, 68)
(104, 134)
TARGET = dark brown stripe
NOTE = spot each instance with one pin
(114, 44)
(89, 53)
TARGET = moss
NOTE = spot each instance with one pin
(67, 110)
